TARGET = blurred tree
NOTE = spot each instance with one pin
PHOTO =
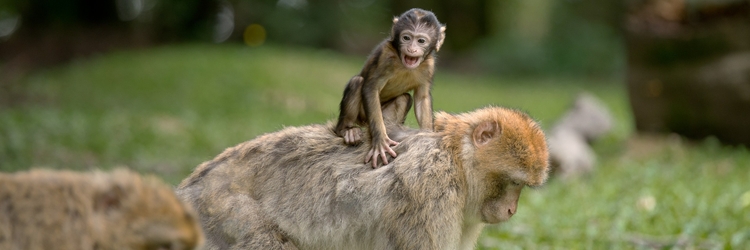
(42, 13)
(179, 20)
(689, 67)
(507, 37)
(560, 37)
(51, 31)
(292, 21)
(586, 38)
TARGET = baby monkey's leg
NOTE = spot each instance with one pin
(350, 112)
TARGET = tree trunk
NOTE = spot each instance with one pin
(689, 68)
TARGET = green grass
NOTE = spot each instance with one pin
(166, 110)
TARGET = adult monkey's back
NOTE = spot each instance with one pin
(302, 188)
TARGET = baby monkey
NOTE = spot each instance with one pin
(402, 63)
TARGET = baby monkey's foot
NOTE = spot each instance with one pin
(352, 136)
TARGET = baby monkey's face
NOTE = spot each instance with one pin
(414, 46)
(415, 34)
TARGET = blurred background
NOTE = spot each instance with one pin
(160, 86)
(505, 37)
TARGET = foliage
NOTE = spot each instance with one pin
(166, 110)
(165, 20)
(580, 38)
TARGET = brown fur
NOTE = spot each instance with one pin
(385, 77)
(45, 209)
(302, 188)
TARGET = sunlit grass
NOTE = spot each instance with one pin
(166, 110)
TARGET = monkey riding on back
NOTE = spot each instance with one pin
(402, 63)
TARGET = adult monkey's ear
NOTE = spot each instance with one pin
(485, 132)
(441, 38)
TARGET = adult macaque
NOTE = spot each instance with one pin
(403, 62)
(45, 209)
(299, 188)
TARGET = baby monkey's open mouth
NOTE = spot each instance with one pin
(411, 61)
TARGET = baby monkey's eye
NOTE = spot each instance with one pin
(406, 38)
(421, 40)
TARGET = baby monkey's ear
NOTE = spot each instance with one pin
(441, 38)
